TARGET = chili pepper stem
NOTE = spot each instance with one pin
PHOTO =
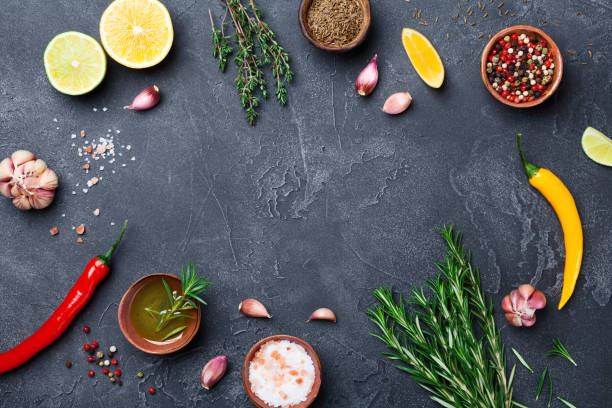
(530, 169)
(107, 256)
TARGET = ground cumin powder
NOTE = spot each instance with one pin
(335, 22)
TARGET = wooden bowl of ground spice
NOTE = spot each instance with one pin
(335, 25)
(521, 66)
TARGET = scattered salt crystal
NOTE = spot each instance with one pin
(109, 130)
(101, 168)
(74, 192)
(113, 171)
(74, 144)
(104, 109)
(133, 158)
(55, 119)
(63, 215)
(85, 190)
(96, 212)
(128, 147)
(117, 131)
(57, 128)
(95, 109)
(112, 224)
(73, 136)
(123, 165)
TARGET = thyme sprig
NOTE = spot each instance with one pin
(437, 344)
(192, 287)
(252, 32)
(559, 350)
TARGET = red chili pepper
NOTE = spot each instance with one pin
(77, 298)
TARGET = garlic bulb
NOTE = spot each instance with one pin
(521, 304)
(27, 181)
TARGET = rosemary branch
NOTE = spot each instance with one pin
(192, 287)
(437, 342)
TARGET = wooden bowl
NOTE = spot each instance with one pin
(551, 45)
(129, 331)
(367, 20)
(313, 355)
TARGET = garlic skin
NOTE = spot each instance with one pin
(368, 78)
(323, 314)
(253, 308)
(521, 304)
(27, 181)
(213, 371)
(397, 103)
(146, 99)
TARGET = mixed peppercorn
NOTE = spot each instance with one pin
(520, 67)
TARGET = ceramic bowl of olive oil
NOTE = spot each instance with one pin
(142, 315)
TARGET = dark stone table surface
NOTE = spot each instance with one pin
(317, 205)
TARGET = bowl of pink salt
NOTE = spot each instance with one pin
(282, 372)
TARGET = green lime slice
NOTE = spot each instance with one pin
(75, 63)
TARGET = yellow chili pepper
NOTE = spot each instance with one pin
(563, 203)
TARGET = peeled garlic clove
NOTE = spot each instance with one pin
(323, 314)
(213, 371)
(146, 99)
(397, 103)
(22, 202)
(48, 180)
(368, 78)
(21, 156)
(5, 189)
(253, 308)
(6, 169)
(40, 198)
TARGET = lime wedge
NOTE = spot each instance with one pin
(75, 63)
(597, 146)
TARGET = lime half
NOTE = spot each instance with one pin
(597, 146)
(75, 63)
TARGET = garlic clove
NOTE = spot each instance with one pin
(253, 308)
(213, 371)
(48, 180)
(525, 291)
(146, 99)
(397, 103)
(17, 191)
(323, 314)
(29, 183)
(368, 78)
(22, 202)
(507, 304)
(6, 169)
(40, 198)
(5, 189)
(33, 168)
(537, 300)
(22, 156)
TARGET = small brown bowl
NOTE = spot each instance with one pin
(531, 31)
(313, 355)
(129, 331)
(365, 28)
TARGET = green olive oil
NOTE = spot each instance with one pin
(154, 296)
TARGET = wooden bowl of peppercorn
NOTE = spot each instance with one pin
(537, 80)
(335, 26)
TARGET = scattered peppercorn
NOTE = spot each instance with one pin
(106, 363)
(100, 354)
(140, 374)
(91, 373)
(105, 371)
(111, 374)
(113, 349)
(86, 347)
(91, 359)
(110, 354)
(114, 361)
(118, 372)
(151, 390)
(520, 68)
(94, 344)
(68, 363)
(101, 364)
(86, 329)
(119, 383)
(112, 379)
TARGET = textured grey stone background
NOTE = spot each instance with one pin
(320, 203)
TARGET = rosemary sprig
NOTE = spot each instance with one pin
(550, 389)
(522, 360)
(192, 287)
(559, 350)
(221, 45)
(250, 30)
(437, 342)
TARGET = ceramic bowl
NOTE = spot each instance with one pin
(365, 28)
(129, 331)
(551, 45)
(313, 355)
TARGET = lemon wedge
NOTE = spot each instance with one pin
(597, 146)
(136, 33)
(424, 57)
